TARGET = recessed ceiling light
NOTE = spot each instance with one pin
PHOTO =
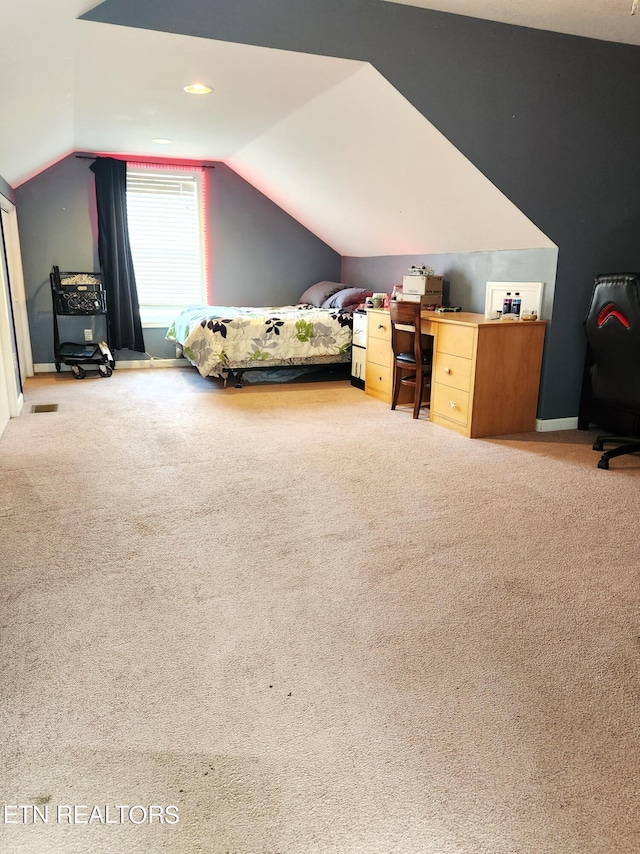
(162, 141)
(197, 89)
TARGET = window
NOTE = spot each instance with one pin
(166, 230)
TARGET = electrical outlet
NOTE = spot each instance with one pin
(88, 335)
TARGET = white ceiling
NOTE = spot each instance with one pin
(284, 121)
(610, 20)
(413, 191)
(144, 98)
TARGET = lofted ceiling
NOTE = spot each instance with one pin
(609, 20)
(285, 121)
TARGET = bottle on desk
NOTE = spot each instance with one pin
(515, 305)
(507, 304)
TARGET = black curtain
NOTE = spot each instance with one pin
(114, 253)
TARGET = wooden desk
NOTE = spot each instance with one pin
(486, 373)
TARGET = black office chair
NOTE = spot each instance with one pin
(411, 365)
(611, 387)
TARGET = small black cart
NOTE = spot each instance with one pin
(79, 294)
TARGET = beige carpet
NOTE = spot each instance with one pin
(312, 625)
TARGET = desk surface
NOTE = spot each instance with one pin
(469, 318)
(465, 318)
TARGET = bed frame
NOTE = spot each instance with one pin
(235, 375)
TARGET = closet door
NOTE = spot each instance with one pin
(18, 299)
(5, 410)
(10, 381)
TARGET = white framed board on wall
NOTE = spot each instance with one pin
(530, 294)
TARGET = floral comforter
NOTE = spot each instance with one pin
(219, 339)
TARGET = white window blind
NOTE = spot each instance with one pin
(164, 210)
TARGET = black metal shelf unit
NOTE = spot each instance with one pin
(79, 295)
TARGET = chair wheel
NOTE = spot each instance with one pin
(78, 372)
(597, 445)
(603, 464)
(105, 370)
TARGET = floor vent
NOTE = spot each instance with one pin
(45, 407)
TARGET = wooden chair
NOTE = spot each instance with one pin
(409, 353)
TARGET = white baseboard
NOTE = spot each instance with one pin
(49, 367)
(548, 425)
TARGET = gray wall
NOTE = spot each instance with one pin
(466, 274)
(57, 222)
(552, 120)
(259, 254)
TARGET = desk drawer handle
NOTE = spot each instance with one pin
(447, 370)
(453, 404)
(381, 326)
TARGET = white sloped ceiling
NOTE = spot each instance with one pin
(609, 20)
(362, 168)
(329, 140)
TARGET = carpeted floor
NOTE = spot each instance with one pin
(312, 626)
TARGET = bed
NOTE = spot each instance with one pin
(227, 341)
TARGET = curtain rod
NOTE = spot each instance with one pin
(147, 162)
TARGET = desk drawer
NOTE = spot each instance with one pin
(379, 352)
(452, 371)
(379, 325)
(378, 379)
(456, 340)
(450, 403)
